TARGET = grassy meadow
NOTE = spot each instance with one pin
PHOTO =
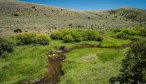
(88, 65)
(30, 32)
(91, 65)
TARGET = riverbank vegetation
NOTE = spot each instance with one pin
(28, 59)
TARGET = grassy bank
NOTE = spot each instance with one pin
(91, 65)
(29, 62)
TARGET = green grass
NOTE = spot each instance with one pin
(91, 65)
(108, 41)
(26, 63)
(29, 62)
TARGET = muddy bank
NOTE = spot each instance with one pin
(55, 60)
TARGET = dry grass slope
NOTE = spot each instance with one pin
(41, 18)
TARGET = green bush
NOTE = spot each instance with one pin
(121, 35)
(57, 35)
(6, 46)
(90, 35)
(98, 38)
(68, 38)
(76, 35)
(130, 32)
(142, 32)
(26, 38)
(32, 38)
(43, 39)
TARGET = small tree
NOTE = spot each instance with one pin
(134, 65)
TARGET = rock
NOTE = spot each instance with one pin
(63, 48)
(18, 31)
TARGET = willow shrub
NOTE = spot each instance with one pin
(6, 46)
(57, 35)
(32, 38)
(76, 35)
(68, 38)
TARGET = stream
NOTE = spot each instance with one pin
(55, 60)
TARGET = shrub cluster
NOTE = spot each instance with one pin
(68, 38)
(32, 38)
(130, 32)
(142, 32)
(76, 35)
(127, 33)
(6, 46)
(56, 35)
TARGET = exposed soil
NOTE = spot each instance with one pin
(55, 60)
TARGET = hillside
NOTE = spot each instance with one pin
(65, 46)
(41, 18)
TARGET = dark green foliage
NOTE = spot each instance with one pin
(68, 38)
(130, 32)
(62, 48)
(32, 38)
(142, 31)
(6, 46)
(98, 38)
(122, 36)
(134, 65)
(117, 30)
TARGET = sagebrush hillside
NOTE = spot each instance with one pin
(41, 18)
